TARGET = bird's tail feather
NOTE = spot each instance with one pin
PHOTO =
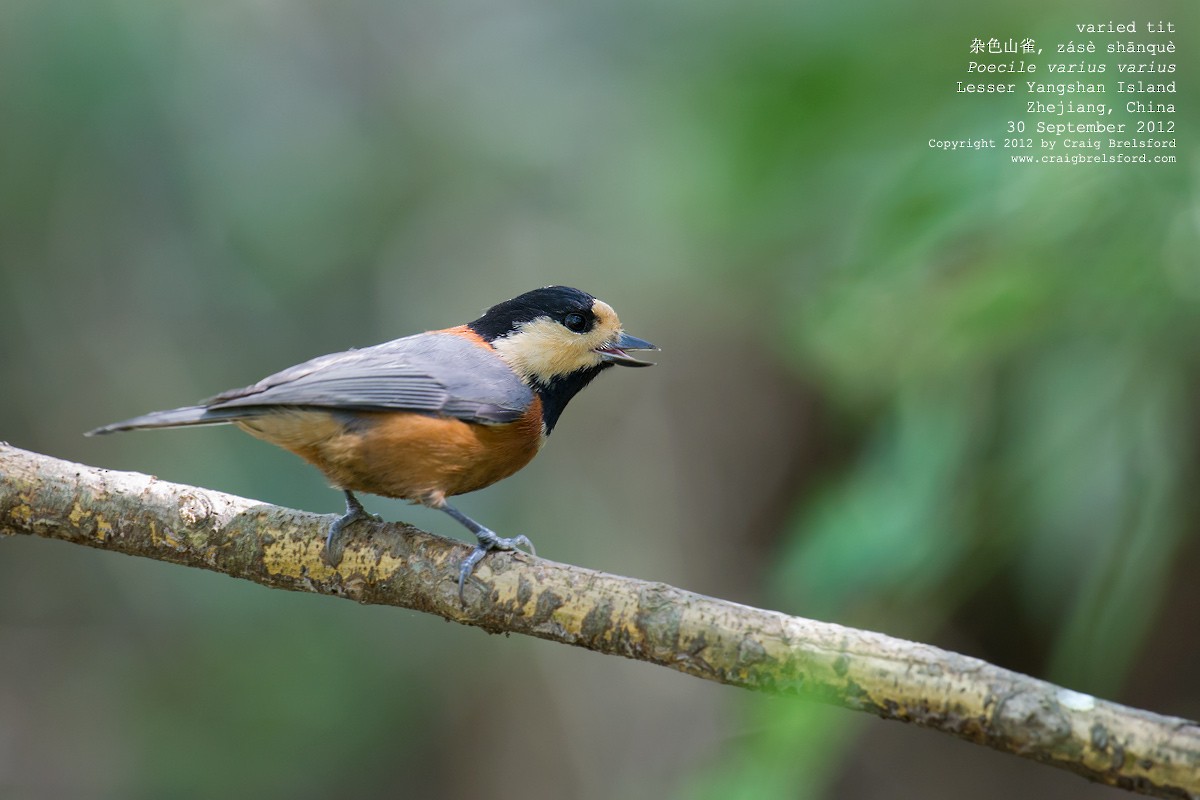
(175, 418)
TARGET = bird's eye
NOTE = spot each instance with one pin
(575, 322)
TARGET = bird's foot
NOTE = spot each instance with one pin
(355, 512)
(488, 541)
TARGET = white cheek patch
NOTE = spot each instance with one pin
(543, 350)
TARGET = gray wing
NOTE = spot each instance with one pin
(437, 373)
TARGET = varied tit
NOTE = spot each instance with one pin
(433, 415)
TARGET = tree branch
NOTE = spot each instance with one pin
(396, 564)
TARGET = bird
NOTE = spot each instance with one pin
(430, 416)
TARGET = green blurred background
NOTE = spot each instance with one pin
(931, 394)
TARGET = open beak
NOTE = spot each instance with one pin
(615, 352)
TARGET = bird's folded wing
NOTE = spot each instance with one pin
(438, 373)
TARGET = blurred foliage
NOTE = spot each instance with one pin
(933, 394)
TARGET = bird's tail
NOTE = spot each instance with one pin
(175, 418)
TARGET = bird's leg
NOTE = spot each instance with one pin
(354, 513)
(488, 541)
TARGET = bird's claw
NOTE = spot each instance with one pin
(488, 541)
(467, 567)
(518, 542)
(334, 547)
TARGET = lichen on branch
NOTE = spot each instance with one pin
(396, 564)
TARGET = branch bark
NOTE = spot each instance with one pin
(396, 564)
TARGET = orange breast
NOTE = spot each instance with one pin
(401, 454)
